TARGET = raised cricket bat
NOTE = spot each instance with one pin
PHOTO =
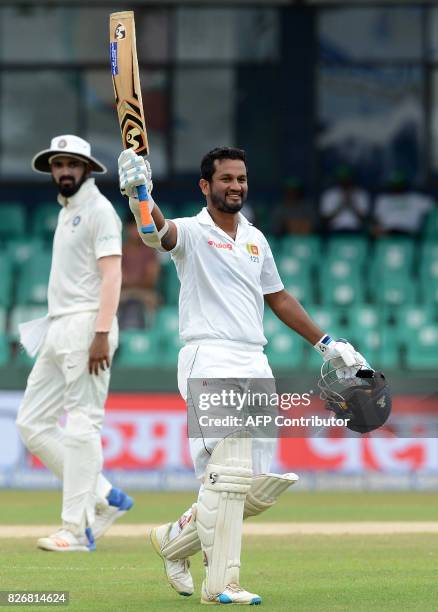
(127, 91)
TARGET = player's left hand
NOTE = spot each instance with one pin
(343, 356)
(134, 170)
(99, 354)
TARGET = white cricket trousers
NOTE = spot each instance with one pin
(224, 359)
(60, 382)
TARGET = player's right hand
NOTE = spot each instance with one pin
(134, 170)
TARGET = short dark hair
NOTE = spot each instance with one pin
(207, 163)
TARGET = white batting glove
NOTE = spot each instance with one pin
(134, 170)
(344, 357)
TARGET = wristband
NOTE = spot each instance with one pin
(322, 345)
(163, 231)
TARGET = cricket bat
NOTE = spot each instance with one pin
(127, 91)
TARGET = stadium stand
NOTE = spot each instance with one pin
(382, 295)
(12, 220)
(45, 219)
(138, 349)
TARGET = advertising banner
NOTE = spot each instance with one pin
(145, 438)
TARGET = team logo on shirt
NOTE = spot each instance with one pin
(76, 220)
(252, 249)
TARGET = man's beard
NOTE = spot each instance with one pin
(221, 204)
(69, 190)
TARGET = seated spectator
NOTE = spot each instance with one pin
(140, 272)
(344, 207)
(295, 214)
(400, 209)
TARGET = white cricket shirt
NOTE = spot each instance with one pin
(222, 280)
(88, 228)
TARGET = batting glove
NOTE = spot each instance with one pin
(134, 170)
(344, 357)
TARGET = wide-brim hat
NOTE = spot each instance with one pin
(69, 145)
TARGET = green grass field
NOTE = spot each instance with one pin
(299, 573)
(27, 508)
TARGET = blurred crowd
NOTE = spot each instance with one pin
(398, 208)
(345, 208)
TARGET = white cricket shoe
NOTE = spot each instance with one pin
(65, 540)
(177, 572)
(116, 505)
(232, 594)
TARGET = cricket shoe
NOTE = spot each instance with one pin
(65, 540)
(116, 505)
(177, 572)
(232, 594)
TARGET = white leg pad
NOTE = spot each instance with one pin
(220, 511)
(263, 494)
(265, 490)
(186, 543)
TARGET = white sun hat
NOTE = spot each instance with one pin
(69, 145)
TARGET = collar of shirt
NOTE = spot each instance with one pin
(79, 197)
(204, 218)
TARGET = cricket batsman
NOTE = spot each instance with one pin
(227, 273)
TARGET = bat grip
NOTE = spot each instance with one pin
(147, 224)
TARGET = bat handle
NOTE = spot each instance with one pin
(147, 224)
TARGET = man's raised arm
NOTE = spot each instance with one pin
(134, 170)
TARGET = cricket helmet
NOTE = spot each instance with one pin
(364, 399)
